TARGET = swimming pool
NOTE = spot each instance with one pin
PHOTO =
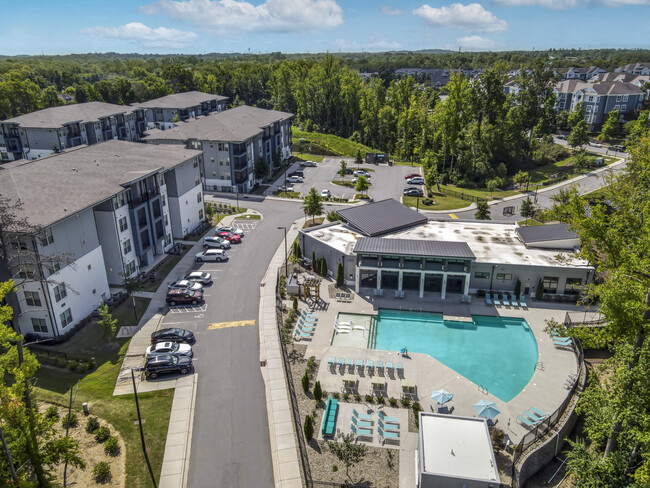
(499, 353)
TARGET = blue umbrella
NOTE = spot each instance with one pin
(485, 409)
(441, 396)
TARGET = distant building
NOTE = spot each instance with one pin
(231, 142)
(635, 69)
(583, 73)
(377, 158)
(55, 129)
(164, 112)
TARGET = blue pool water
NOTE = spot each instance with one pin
(497, 352)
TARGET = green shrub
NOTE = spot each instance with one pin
(311, 364)
(318, 392)
(92, 424)
(62, 363)
(92, 364)
(335, 468)
(370, 399)
(102, 434)
(70, 421)
(52, 412)
(336, 395)
(392, 401)
(539, 292)
(308, 427)
(357, 398)
(112, 446)
(346, 396)
(73, 365)
(405, 402)
(305, 382)
(102, 472)
(295, 304)
(381, 400)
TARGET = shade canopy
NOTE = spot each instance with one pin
(487, 410)
(441, 396)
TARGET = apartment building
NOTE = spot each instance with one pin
(583, 74)
(163, 113)
(55, 129)
(231, 142)
(107, 210)
(635, 69)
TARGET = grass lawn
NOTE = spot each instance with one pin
(564, 167)
(308, 157)
(333, 144)
(530, 223)
(287, 194)
(442, 202)
(481, 193)
(600, 193)
(167, 265)
(407, 163)
(248, 217)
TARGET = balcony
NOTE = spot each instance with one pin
(369, 262)
(143, 197)
(413, 264)
(390, 263)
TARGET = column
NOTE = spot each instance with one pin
(357, 278)
(400, 279)
(467, 277)
(443, 291)
(379, 279)
(422, 285)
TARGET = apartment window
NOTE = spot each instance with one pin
(168, 240)
(90, 266)
(201, 214)
(129, 269)
(618, 98)
(504, 276)
(625, 98)
(195, 163)
(198, 198)
(66, 318)
(25, 275)
(126, 246)
(214, 173)
(60, 292)
(572, 286)
(211, 146)
(123, 224)
(550, 284)
(39, 325)
(588, 108)
(197, 181)
(56, 266)
(166, 221)
(482, 276)
(212, 159)
(617, 107)
(20, 243)
(623, 108)
(48, 238)
(32, 298)
(591, 98)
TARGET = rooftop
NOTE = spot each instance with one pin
(180, 100)
(58, 186)
(545, 233)
(56, 117)
(379, 245)
(457, 447)
(234, 125)
(380, 217)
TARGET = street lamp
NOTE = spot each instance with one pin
(286, 259)
(237, 196)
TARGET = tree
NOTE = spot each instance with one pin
(339, 275)
(346, 450)
(527, 209)
(358, 160)
(107, 322)
(343, 170)
(261, 168)
(313, 204)
(318, 392)
(308, 427)
(277, 159)
(581, 160)
(333, 216)
(482, 210)
(432, 177)
(362, 184)
(521, 179)
(50, 97)
(579, 135)
(296, 249)
(313, 261)
(492, 185)
(611, 127)
(323, 266)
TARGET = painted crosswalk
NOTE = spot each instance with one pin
(245, 224)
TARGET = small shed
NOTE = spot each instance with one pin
(378, 158)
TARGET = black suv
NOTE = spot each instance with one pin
(166, 363)
(173, 335)
(297, 173)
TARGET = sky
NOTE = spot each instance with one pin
(298, 26)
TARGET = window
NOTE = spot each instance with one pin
(60, 292)
(129, 269)
(123, 224)
(591, 98)
(32, 298)
(482, 276)
(39, 325)
(572, 286)
(56, 266)
(90, 266)
(617, 107)
(126, 246)
(48, 238)
(504, 276)
(588, 108)
(195, 163)
(66, 318)
(212, 159)
(20, 243)
(618, 98)
(625, 98)
(623, 108)
(550, 284)
(25, 275)
(197, 181)
(198, 198)
(201, 214)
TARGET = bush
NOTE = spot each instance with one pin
(370, 399)
(295, 304)
(112, 446)
(318, 392)
(92, 364)
(427, 201)
(102, 434)
(62, 363)
(311, 365)
(52, 412)
(336, 395)
(381, 400)
(73, 365)
(92, 424)
(392, 401)
(335, 468)
(308, 427)
(498, 438)
(357, 398)
(406, 402)
(346, 396)
(102, 472)
(305, 382)
(70, 421)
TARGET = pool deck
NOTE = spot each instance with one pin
(545, 390)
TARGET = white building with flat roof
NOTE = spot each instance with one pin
(455, 452)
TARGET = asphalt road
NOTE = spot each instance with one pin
(230, 439)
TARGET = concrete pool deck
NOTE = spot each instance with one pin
(545, 390)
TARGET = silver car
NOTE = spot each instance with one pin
(173, 348)
(199, 277)
(215, 242)
(190, 285)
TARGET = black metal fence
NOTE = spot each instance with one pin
(462, 195)
(577, 319)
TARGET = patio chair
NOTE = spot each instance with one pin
(360, 365)
(522, 301)
(361, 423)
(362, 416)
(532, 416)
(361, 432)
(391, 427)
(379, 365)
(305, 327)
(304, 335)
(396, 293)
(306, 315)
(370, 365)
(488, 298)
(350, 364)
(386, 419)
(340, 362)
(538, 412)
(562, 341)
(505, 300)
(338, 296)
(399, 369)
(375, 292)
(496, 300)
(308, 320)
(526, 422)
(388, 435)
(513, 299)
(348, 297)
(330, 362)
(389, 367)
(401, 294)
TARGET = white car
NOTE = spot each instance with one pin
(309, 163)
(173, 348)
(199, 277)
(211, 255)
(215, 242)
(326, 194)
(361, 172)
(294, 179)
(190, 285)
(415, 181)
(234, 230)
(595, 144)
(286, 188)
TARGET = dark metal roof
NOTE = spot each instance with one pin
(381, 217)
(542, 233)
(413, 247)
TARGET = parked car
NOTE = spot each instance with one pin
(185, 285)
(294, 179)
(617, 148)
(362, 172)
(415, 181)
(412, 175)
(561, 136)
(173, 335)
(199, 277)
(595, 144)
(307, 164)
(230, 236)
(211, 255)
(217, 242)
(413, 192)
(183, 295)
(326, 193)
(234, 230)
(167, 347)
(297, 173)
(286, 188)
(166, 363)
(349, 171)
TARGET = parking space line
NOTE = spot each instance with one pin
(227, 325)
(453, 216)
(187, 308)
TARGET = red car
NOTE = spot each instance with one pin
(412, 175)
(229, 236)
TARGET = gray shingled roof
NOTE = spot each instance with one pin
(58, 186)
(180, 100)
(542, 233)
(413, 247)
(56, 117)
(381, 217)
(234, 125)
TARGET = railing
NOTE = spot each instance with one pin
(577, 319)
(462, 195)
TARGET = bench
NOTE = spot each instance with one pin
(329, 417)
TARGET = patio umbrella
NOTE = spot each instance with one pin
(441, 396)
(485, 409)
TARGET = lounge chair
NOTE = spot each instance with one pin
(361, 432)
(527, 422)
(488, 298)
(307, 315)
(505, 300)
(350, 363)
(399, 368)
(562, 341)
(513, 299)
(305, 327)
(388, 435)
(361, 423)
(538, 412)
(522, 301)
(379, 365)
(386, 419)
(389, 366)
(303, 335)
(340, 362)
(496, 299)
(532, 416)
(308, 320)
(387, 426)
(330, 362)
(361, 416)
(360, 365)
(370, 365)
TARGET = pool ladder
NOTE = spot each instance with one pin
(539, 365)
(483, 390)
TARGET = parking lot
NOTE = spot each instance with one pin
(386, 181)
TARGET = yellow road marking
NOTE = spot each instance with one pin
(453, 216)
(236, 323)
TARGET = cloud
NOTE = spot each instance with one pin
(388, 10)
(472, 17)
(554, 4)
(380, 44)
(475, 43)
(143, 35)
(231, 17)
(623, 3)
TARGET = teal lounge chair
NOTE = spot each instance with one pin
(388, 435)
(361, 416)
(304, 335)
(361, 432)
(539, 412)
(525, 421)
(496, 299)
(531, 415)
(562, 341)
(513, 300)
(522, 301)
(505, 300)
(391, 427)
(330, 362)
(350, 363)
(385, 418)
(360, 365)
(399, 368)
(488, 299)
(340, 362)
(305, 327)
(308, 315)
(361, 423)
(389, 366)
(379, 365)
